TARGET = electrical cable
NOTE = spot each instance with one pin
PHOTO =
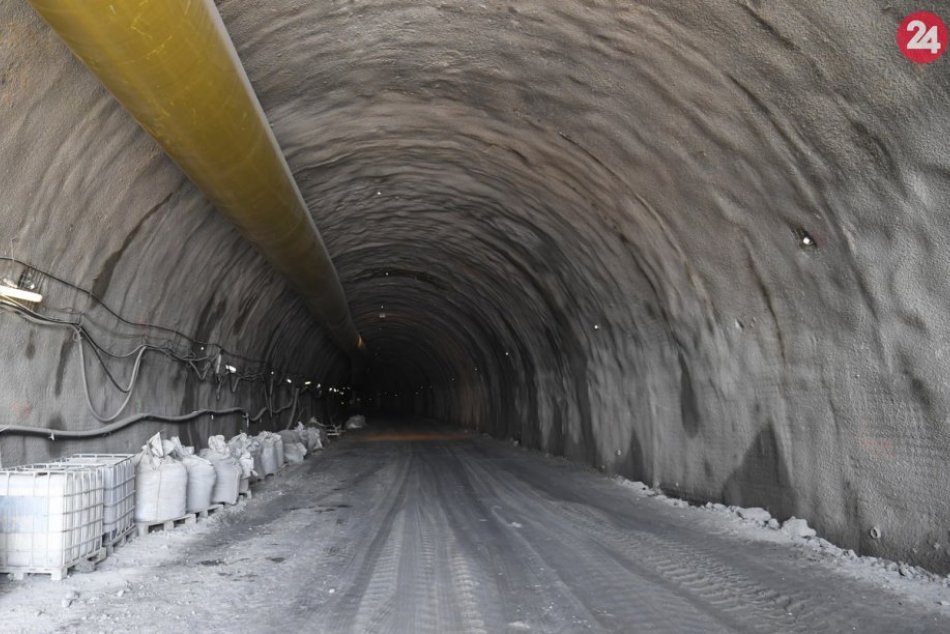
(80, 335)
(137, 418)
(85, 382)
(124, 320)
(102, 303)
(117, 425)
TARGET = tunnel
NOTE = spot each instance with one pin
(696, 245)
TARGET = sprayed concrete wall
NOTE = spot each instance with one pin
(698, 244)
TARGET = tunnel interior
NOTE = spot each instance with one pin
(694, 244)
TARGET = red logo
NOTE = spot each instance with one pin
(922, 37)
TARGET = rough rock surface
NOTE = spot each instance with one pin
(797, 528)
(755, 514)
(702, 245)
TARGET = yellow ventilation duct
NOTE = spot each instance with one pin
(172, 65)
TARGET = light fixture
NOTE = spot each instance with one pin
(306, 383)
(18, 293)
(289, 381)
(230, 368)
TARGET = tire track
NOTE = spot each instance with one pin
(473, 536)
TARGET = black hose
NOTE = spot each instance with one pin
(53, 434)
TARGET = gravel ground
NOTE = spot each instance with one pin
(437, 531)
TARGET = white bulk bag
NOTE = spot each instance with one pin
(269, 464)
(303, 434)
(318, 438)
(289, 437)
(312, 437)
(356, 422)
(278, 444)
(256, 448)
(239, 451)
(238, 445)
(228, 471)
(295, 452)
(177, 449)
(161, 484)
(201, 480)
(227, 482)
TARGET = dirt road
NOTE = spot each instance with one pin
(439, 532)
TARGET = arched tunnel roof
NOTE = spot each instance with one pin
(700, 244)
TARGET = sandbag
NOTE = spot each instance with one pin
(161, 484)
(227, 470)
(311, 437)
(268, 454)
(239, 451)
(256, 449)
(319, 436)
(356, 422)
(303, 436)
(201, 481)
(295, 452)
(275, 441)
(201, 475)
(227, 482)
(278, 447)
(289, 437)
(238, 445)
(217, 449)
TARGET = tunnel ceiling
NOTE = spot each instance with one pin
(700, 244)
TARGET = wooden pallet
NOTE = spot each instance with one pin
(211, 510)
(57, 574)
(119, 540)
(143, 528)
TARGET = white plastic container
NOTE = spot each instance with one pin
(118, 477)
(50, 517)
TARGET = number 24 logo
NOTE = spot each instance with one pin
(922, 37)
